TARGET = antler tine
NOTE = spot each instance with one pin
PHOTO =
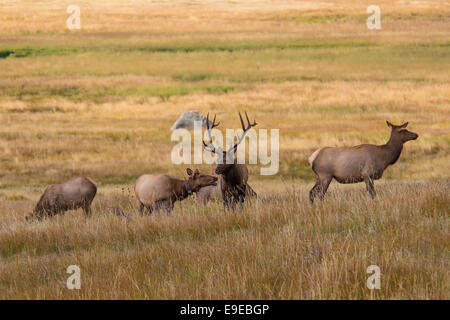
(210, 146)
(249, 124)
(242, 121)
(207, 121)
(214, 122)
(204, 143)
(248, 120)
(244, 128)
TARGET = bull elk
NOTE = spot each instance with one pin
(365, 162)
(70, 195)
(211, 193)
(160, 191)
(233, 176)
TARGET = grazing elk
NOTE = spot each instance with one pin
(210, 193)
(233, 176)
(58, 198)
(365, 162)
(160, 191)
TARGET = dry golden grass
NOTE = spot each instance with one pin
(56, 139)
(100, 102)
(278, 247)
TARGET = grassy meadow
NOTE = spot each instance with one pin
(100, 102)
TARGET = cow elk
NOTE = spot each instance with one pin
(233, 176)
(58, 198)
(160, 191)
(364, 162)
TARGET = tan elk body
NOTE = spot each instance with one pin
(233, 175)
(58, 198)
(160, 191)
(365, 162)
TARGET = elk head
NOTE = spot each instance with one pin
(400, 133)
(197, 180)
(228, 159)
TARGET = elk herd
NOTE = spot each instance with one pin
(155, 192)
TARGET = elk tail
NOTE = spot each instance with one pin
(91, 181)
(313, 157)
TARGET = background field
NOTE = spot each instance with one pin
(100, 101)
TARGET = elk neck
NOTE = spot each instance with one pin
(187, 187)
(393, 149)
(182, 189)
(179, 189)
(234, 176)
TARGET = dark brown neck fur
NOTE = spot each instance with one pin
(180, 190)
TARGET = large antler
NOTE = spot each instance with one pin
(245, 129)
(210, 147)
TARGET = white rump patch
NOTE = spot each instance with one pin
(313, 156)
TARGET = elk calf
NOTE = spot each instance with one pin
(365, 162)
(160, 191)
(58, 198)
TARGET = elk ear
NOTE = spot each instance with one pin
(189, 172)
(196, 172)
(404, 125)
(390, 125)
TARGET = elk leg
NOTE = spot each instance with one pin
(45, 214)
(324, 183)
(314, 191)
(241, 200)
(370, 187)
(235, 199)
(167, 205)
(226, 203)
(241, 195)
(39, 216)
(87, 210)
(168, 209)
(141, 208)
(229, 202)
(50, 213)
(158, 206)
(226, 200)
(146, 210)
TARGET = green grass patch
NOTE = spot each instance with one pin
(5, 53)
(230, 47)
(37, 109)
(34, 52)
(345, 109)
(14, 197)
(323, 18)
(100, 94)
(166, 91)
(191, 77)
